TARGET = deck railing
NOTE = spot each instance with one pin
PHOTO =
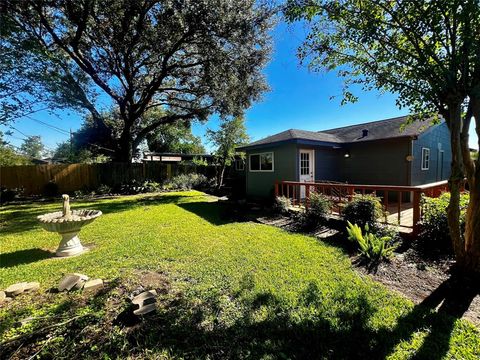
(341, 193)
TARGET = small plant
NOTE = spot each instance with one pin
(281, 205)
(434, 236)
(187, 182)
(7, 195)
(363, 210)
(152, 186)
(316, 213)
(372, 247)
(103, 190)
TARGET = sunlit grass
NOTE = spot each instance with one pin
(303, 293)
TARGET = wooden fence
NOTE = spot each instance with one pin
(71, 177)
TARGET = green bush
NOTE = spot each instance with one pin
(103, 190)
(281, 205)
(434, 234)
(372, 247)
(188, 182)
(363, 210)
(7, 195)
(316, 214)
(152, 186)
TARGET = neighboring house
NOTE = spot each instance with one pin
(374, 153)
(176, 157)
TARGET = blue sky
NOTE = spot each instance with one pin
(298, 98)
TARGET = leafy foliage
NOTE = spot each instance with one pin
(33, 147)
(363, 210)
(231, 134)
(281, 204)
(10, 157)
(373, 248)
(434, 237)
(316, 214)
(190, 59)
(188, 182)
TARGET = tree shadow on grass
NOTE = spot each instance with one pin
(21, 257)
(216, 213)
(24, 217)
(438, 313)
(249, 324)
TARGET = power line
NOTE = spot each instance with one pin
(56, 128)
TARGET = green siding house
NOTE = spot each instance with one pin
(376, 153)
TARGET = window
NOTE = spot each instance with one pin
(261, 162)
(304, 163)
(425, 158)
(239, 164)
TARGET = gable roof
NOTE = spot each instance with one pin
(377, 130)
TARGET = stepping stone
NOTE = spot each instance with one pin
(143, 310)
(72, 281)
(3, 296)
(93, 285)
(145, 296)
(32, 286)
(15, 289)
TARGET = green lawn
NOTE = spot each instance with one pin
(230, 290)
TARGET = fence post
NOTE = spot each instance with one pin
(416, 211)
(276, 188)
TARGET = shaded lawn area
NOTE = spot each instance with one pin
(226, 290)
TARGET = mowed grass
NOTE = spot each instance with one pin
(247, 290)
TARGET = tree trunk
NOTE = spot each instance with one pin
(456, 183)
(125, 148)
(472, 218)
(221, 172)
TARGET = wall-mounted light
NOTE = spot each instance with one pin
(347, 154)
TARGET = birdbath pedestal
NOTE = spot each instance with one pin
(68, 224)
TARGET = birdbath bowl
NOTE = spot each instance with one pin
(68, 224)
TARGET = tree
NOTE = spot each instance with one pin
(175, 138)
(8, 155)
(231, 134)
(33, 147)
(428, 52)
(191, 58)
(34, 80)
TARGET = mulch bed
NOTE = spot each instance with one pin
(407, 273)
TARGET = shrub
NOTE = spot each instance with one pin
(103, 190)
(434, 236)
(7, 195)
(281, 205)
(363, 210)
(316, 214)
(152, 186)
(50, 189)
(372, 247)
(188, 182)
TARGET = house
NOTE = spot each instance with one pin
(176, 157)
(385, 152)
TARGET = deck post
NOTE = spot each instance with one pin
(307, 196)
(416, 211)
(276, 188)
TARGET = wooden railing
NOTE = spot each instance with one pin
(340, 193)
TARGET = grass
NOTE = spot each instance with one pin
(227, 290)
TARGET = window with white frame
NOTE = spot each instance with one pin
(261, 162)
(239, 164)
(425, 158)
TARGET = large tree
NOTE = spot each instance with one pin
(231, 134)
(191, 58)
(33, 147)
(428, 52)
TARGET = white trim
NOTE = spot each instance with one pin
(425, 152)
(240, 161)
(260, 162)
(312, 159)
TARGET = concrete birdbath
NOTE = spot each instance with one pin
(68, 224)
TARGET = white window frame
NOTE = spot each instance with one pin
(425, 158)
(260, 160)
(239, 161)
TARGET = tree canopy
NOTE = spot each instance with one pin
(427, 52)
(33, 147)
(191, 58)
